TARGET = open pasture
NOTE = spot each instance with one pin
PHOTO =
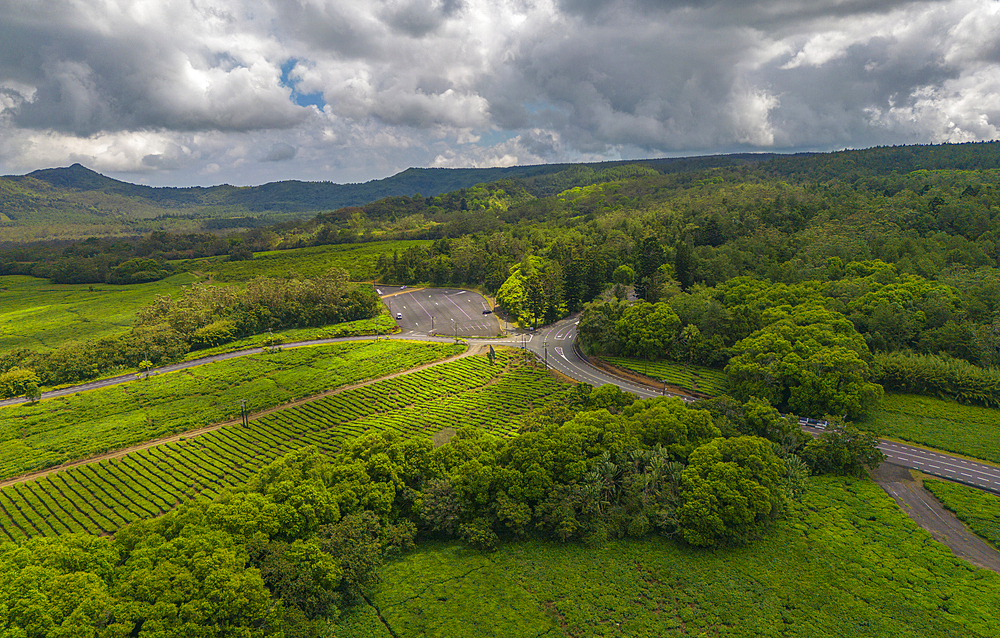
(39, 315)
(357, 259)
(964, 429)
(76, 426)
(102, 497)
(847, 562)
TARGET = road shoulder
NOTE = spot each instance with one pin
(920, 505)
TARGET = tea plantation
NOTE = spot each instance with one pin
(847, 562)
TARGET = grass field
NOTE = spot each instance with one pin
(39, 315)
(362, 327)
(978, 509)
(102, 497)
(690, 377)
(965, 429)
(848, 562)
(76, 426)
(357, 259)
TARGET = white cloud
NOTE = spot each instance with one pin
(183, 91)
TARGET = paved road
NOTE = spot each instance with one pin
(440, 311)
(555, 345)
(914, 499)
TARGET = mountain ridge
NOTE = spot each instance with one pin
(75, 202)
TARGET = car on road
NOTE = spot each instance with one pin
(487, 311)
(399, 315)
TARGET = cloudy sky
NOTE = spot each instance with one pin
(184, 92)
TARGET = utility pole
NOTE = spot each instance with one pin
(545, 354)
(243, 410)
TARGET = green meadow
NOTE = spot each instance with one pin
(847, 562)
(39, 315)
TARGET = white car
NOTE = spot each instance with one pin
(399, 315)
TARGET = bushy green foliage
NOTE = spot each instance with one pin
(533, 293)
(809, 360)
(731, 488)
(941, 376)
(17, 382)
(641, 330)
(843, 449)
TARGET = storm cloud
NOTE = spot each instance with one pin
(201, 91)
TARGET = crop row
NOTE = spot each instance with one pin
(691, 377)
(82, 425)
(102, 497)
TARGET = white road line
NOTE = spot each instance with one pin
(417, 301)
(455, 303)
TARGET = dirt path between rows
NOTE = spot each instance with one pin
(471, 350)
(920, 505)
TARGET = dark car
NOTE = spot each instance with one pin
(487, 311)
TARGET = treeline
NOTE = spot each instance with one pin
(285, 553)
(202, 317)
(940, 376)
(123, 261)
(808, 346)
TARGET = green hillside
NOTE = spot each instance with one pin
(76, 202)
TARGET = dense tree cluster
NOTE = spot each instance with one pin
(807, 359)
(809, 346)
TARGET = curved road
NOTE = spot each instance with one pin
(556, 343)
(553, 344)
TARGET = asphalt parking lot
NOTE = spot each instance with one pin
(442, 311)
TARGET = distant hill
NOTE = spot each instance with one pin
(298, 196)
(75, 202)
